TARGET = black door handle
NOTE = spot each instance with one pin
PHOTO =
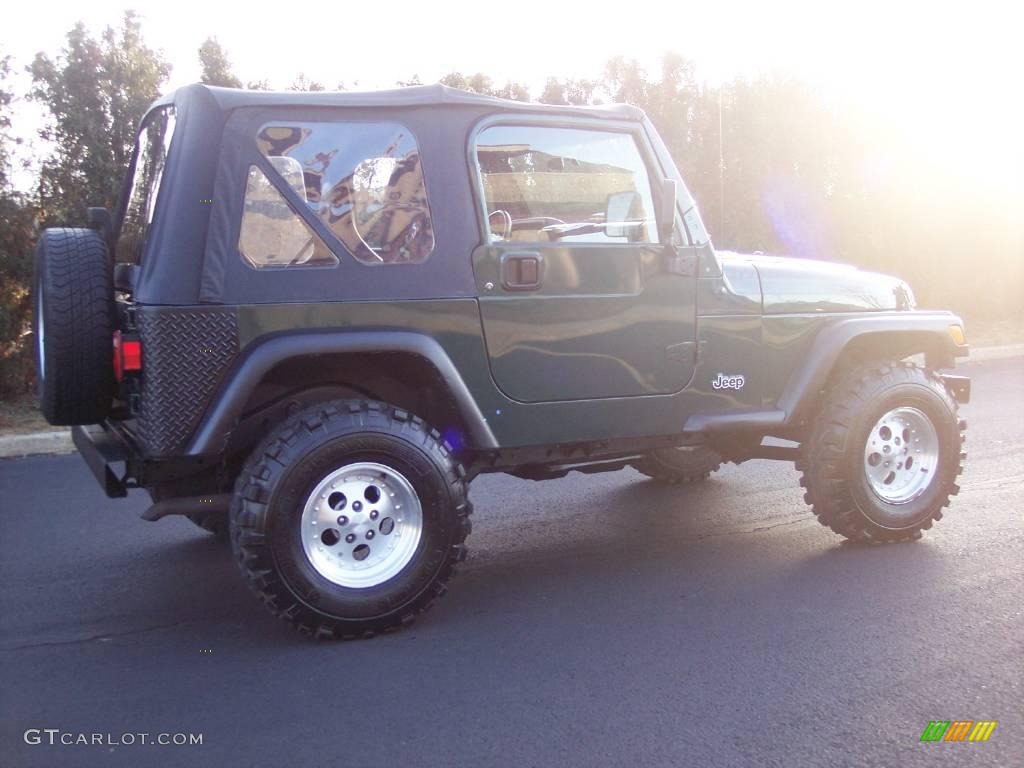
(522, 271)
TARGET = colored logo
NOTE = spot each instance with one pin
(959, 730)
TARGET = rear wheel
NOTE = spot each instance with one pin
(73, 315)
(349, 519)
(679, 465)
(884, 455)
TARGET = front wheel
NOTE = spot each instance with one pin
(883, 457)
(349, 519)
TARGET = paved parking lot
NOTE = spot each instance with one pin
(600, 620)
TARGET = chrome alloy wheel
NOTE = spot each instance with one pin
(901, 457)
(361, 525)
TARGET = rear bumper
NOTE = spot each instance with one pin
(108, 455)
(117, 462)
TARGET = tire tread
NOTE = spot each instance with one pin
(673, 467)
(252, 496)
(74, 271)
(823, 454)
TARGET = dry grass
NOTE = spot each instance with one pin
(21, 416)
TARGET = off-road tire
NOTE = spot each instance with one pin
(274, 483)
(832, 459)
(679, 465)
(73, 318)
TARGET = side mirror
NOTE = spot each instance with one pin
(666, 211)
(618, 221)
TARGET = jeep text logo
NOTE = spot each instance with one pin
(728, 382)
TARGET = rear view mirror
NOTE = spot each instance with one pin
(667, 211)
(619, 212)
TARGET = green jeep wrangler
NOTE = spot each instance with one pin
(316, 317)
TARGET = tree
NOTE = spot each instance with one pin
(6, 98)
(96, 92)
(478, 83)
(513, 90)
(215, 65)
(303, 83)
(554, 92)
(626, 81)
(17, 229)
(578, 92)
(134, 77)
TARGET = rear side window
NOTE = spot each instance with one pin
(364, 181)
(544, 184)
(272, 234)
(150, 158)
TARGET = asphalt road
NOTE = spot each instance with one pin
(600, 620)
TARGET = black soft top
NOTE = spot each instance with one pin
(440, 96)
(191, 256)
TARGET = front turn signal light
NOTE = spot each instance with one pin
(956, 333)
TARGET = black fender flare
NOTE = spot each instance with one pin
(906, 333)
(262, 355)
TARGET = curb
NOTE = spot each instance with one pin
(1004, 352)
(54, 442)
(58, 441)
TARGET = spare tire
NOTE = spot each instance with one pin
(73, 316)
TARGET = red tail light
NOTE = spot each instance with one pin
(127, 355)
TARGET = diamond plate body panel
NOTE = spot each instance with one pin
(185, 353)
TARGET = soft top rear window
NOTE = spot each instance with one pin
(151, 150)
(363, 180)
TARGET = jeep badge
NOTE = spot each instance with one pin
(723, 381)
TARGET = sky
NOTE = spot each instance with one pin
(378, 43)
(935, 72)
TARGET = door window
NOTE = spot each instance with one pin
(564, 185)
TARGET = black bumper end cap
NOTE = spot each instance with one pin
(959, 387)
(100, 449)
